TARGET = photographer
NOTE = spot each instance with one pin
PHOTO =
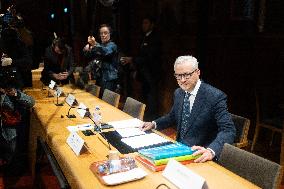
(104, 58)
(14, 105)
(16, 54)
(58, 63)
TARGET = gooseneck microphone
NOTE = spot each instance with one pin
(99, 130)
(72, 115)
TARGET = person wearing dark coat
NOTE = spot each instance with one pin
(148, 64)
(199, 113)
(58, 63)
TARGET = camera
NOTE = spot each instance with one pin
(8, 77)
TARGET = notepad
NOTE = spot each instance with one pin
(144, 140)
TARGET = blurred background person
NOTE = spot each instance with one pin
(16, 54)
(58, 63)
(147, 64)
(103, 55)
(14, 105)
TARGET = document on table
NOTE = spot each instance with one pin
(128, 123)
(128, 132)
(81, 127)
(144, 140)
(127, 128)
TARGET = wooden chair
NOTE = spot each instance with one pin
(93, 89)
(262, 172)
(274, 123)
(111, 97)
(242, 127)
(134, 108)
(45, 161)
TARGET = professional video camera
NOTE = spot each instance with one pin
(11, 19)
(8, 77)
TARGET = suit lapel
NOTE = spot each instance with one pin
(197, 106)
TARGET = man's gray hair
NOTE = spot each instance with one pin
(187, 59)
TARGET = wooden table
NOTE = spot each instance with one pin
(47, 122)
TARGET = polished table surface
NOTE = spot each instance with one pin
(50, 122)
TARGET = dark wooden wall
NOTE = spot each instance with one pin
(239, 44)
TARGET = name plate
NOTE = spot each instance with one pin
(75, 142)
(82, 110)
(51, 84)
(71, 100)
(182, 177)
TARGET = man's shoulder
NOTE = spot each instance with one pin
(178, 92)
(211, 90)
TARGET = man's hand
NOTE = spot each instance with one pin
(206, 154)
(6, 61)
(63, 75)
(147, 126)
(126, 60)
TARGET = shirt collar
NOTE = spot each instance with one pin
(195, 90)
(148, 33)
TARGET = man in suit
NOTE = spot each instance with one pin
(58, 63)
(199, 112)
(147, 63)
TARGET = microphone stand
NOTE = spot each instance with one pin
(72, 115)
(57, 104)
(99, 130)
(57, 96)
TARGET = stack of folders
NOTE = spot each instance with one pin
(157, 158)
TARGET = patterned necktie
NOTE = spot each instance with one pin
(185, 115)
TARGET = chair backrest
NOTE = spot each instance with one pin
(242, 127)
(111, 97)
(93, 89)
(262, 172)
(134, 108)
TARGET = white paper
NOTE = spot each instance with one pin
(70, 99)
(81, 127)
(144, 140)
(82, 110)
(51, 84)
(183, 177)
(126, 123)
(117, 178)
(75, 142)
(127, 132)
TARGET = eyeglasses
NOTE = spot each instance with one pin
(184, 75)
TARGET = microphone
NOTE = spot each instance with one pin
(72, 115)
(99, 130)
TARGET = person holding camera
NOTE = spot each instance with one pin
(58, 63)
(14, 105)
(104, 64)
(16, 54)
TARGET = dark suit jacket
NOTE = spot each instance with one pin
(52, 65)
(210, 123)
(148, 61)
